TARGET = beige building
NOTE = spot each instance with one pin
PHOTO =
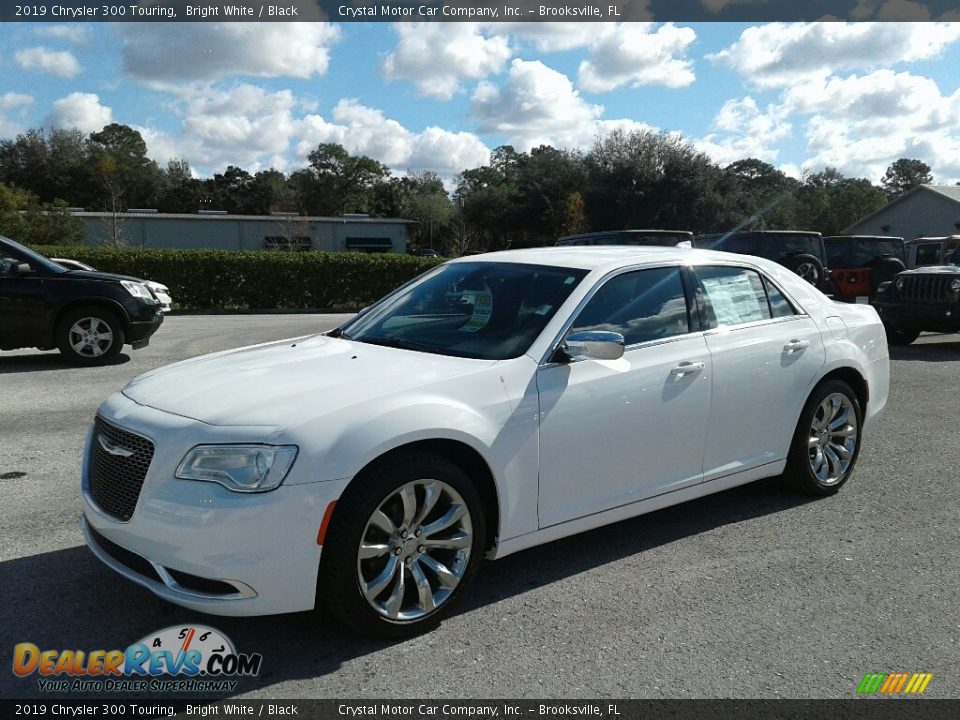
(924, 211)
(215, 230)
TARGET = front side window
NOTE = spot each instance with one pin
(732, 296)
(642, 306)
(483, 310)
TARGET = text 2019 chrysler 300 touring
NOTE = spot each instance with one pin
(492, 404)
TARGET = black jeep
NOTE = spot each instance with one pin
(88, 315)
(668, 238)
(926, 298)
(799, 250)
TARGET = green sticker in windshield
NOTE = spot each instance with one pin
(482, 301)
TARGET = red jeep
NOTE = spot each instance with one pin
(859, 263)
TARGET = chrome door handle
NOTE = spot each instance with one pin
(687, 367)
(796, 346)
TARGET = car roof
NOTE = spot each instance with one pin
(591, 257)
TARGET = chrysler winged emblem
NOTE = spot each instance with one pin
(113, 448)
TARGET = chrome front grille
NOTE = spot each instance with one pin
(119, 461)
(926, 288)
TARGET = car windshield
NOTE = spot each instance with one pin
(9, 248)
(859, 252)
(482, 310)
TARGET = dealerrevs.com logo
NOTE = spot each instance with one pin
(191, 658)
(901, 683)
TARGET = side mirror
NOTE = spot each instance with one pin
(595, 344)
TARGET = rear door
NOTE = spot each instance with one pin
(22, 308)
(765, 353)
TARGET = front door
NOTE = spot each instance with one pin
(613, 432)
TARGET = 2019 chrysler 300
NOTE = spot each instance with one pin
(495, 403)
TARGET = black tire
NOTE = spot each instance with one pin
(97, 351)
(883, 270)
(800, 475)
(900, 335)
(341, 569)
(806, 266)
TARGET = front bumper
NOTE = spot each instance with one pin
(144, 324)
(934, 317)
(199, 545)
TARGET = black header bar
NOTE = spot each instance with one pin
(477, 11)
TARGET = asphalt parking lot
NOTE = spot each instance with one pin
(749, 593)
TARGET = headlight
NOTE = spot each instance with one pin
(138, 290)
(955, 285)
(240, 468)
(899, 283)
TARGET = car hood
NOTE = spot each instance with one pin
(97, 275)
(284, 382)
(934, 270)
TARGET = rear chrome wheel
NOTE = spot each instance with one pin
(827, 440)
(832, 439)
(405, 539)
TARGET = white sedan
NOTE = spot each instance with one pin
(161, 292)
(495, 403)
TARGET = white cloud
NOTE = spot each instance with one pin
(82, 111)
(76, 34)
(553, 36)
(55, 62)
(12, 101)
(781, 55)
(636, 54)
(861, 124)
(437, 56)
(207, 51)
(367, 131)
(742, 130)
(536, 105)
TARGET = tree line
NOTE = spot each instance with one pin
(635, 179)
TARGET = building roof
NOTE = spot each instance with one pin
(951, 192)
(253, 218)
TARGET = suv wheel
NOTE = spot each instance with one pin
(900, 335)
(806, 266)
(90, 336)
(405, 540)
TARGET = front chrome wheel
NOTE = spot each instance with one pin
(832, 439)
(415, 550)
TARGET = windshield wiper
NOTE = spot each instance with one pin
(395, 342)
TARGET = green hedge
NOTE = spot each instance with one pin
(224, 280)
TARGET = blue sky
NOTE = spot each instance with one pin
(439, 97)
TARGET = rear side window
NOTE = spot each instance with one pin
(733, 296)
(779, 305)
(642, 306)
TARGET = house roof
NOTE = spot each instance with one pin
(951, 192)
